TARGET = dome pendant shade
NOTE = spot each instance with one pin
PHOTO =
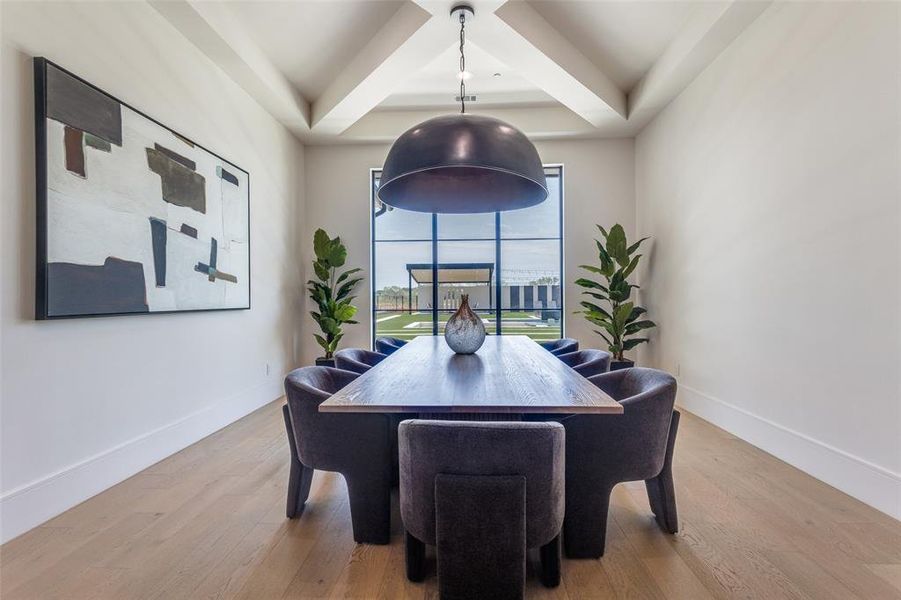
(462, 164)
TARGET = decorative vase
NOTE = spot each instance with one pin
(464, 332)
(325, 362)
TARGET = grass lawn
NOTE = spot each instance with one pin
(401, 324)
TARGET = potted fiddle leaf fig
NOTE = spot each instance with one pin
(331, 292)
(619, 320)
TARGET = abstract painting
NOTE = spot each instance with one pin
(132, 217)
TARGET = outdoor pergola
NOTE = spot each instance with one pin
(448, 273)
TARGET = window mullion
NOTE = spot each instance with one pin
(497, 273)
(434, 274)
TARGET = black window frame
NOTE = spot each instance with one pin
(497, 284)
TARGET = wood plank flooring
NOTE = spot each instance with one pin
(209, 522)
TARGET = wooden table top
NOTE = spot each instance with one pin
(509, 374)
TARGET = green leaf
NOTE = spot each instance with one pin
(635, 246)
(629, 344)
(606, 339)
(335, 340)
(592, 269)
(603, 231)
(594, 308)
(636, 312)
(321, 271)
(622, 313)
(321, 341)
(596, 295)
(637, 326)
(599, 320)
(634, 263)
(621, 292)
(609, 328)
(347, 288)
(616, 245)
(588, 283)
(329, 325)
(337, 253)
(344, 312)
(321, 244)
(607, 264)
(346, 274)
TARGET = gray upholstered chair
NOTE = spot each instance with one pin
(388, 345)
(482, 493)
(586, 363)
(603, 450)
(357, 359)
(323, 441)
(561, 346)
(360, 361)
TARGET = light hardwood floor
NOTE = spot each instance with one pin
(209, 522)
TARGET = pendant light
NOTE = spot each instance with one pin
(462, 163)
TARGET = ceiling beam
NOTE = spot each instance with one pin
(522, 39)
(406, 43)
(215, 31)
(541, 122)
(712, 28)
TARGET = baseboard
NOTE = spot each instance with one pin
(869, 483)
(34, 503)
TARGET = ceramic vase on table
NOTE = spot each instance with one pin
(464, 331)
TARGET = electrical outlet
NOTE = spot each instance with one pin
(268, 370)
(678, 369)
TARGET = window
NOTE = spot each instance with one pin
(509, 263)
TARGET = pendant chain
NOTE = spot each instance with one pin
(462, 63)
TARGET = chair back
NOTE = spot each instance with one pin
(357, 359)
(533, 451)
(631, 446)
(387, 345)
(561, 346)
(587, 363)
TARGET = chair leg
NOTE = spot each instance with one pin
(585, 523)
(298, 488)
(661, 490)
(300, 476)
(414, 552)
(370, 507)
(550, 563)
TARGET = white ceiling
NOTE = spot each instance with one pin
(365, 70)
(623, 39)
(437, 85)
(310, 41)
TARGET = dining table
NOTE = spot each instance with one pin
(508, 377)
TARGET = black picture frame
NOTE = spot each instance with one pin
(42, 295)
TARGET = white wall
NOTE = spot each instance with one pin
(771, 187)
(88, 402)
(598, 188)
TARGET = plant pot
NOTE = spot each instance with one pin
(616, 365)
(325, 362)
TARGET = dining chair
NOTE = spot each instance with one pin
(561, 346)
(603, 451)
(357, 359)
(587, 363)
(388, 345)
(482, 493)
(358, 446)
(360, 361)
